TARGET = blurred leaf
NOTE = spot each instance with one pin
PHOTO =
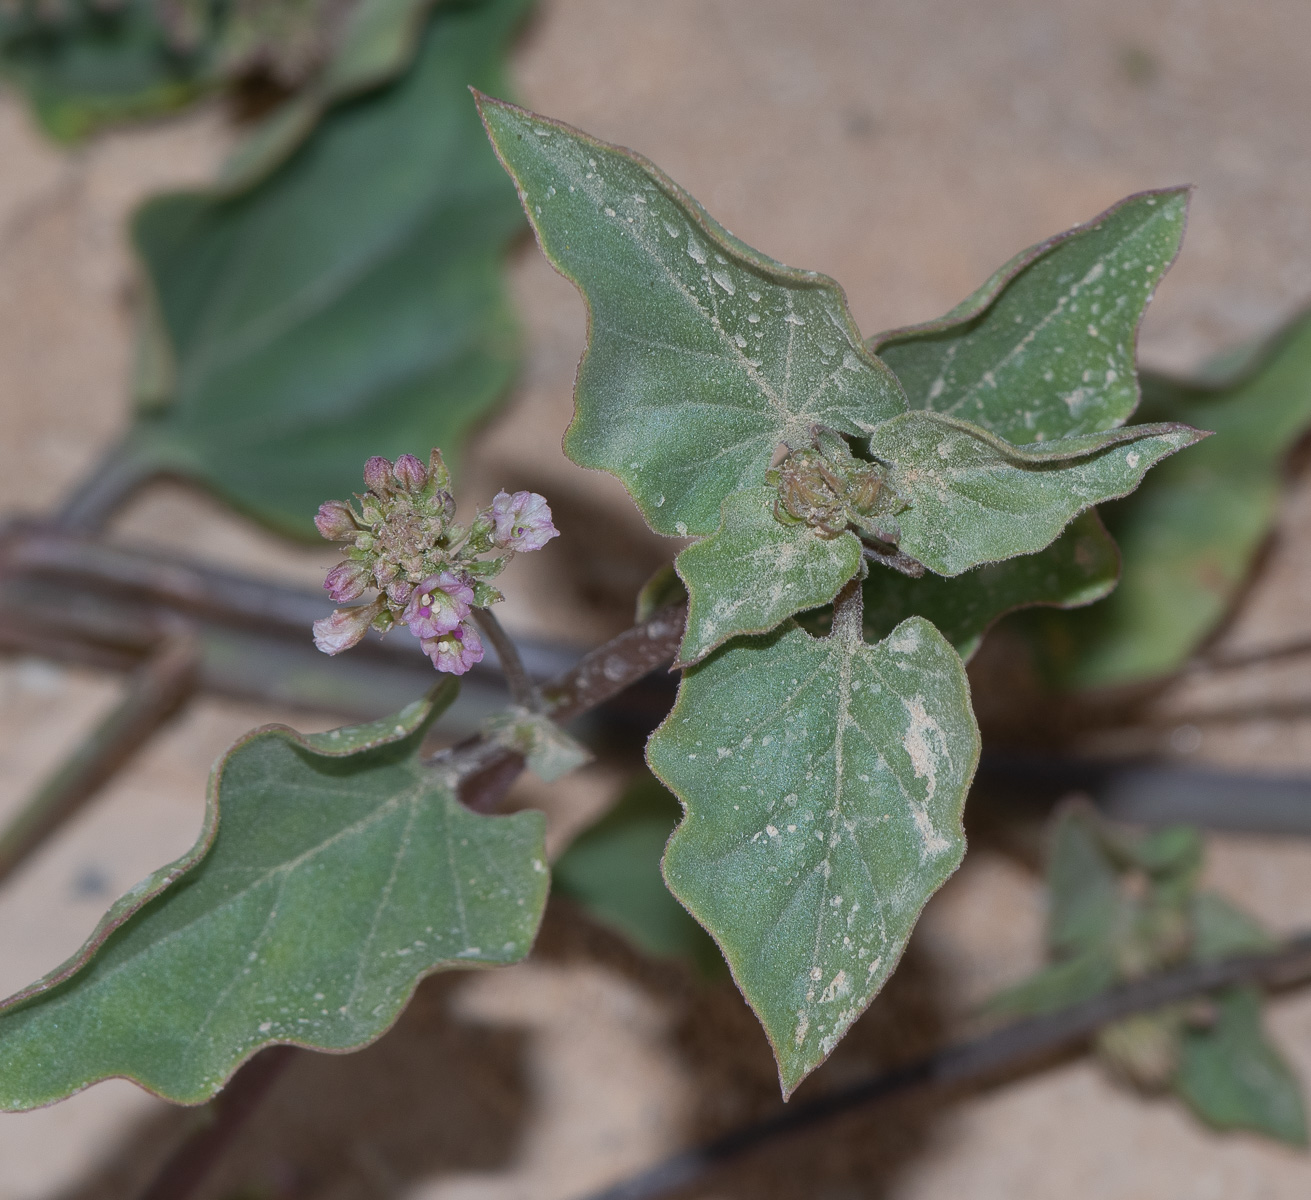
(1045, 349)
(1083, 884)
(613, 871)
(334, 872)
(353, 303)
(824, 781)
(1190, 535)
(1056, 986)
(1220, 930)
(1233, 1078)
(1081, 566)
(85, 64)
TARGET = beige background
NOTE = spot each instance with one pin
(906, 149)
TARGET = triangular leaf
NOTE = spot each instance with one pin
(703, 354)
(350, 304)
(1046, 347)
(1233, 1078)
(754, 572)
(824, 782)
(973, 498)
(333, 873)
(1080, 567)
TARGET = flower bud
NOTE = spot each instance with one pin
(345, 627)
(335, 521)
(410, 473)
(455, 652)
(347, 581)
(378, 475)
(523, 521)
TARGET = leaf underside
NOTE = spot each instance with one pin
(352, 303)
(823, 782)
(1046, 348)
(703, 355)
(341, 873)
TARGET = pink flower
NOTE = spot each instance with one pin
(410, 473)
(335, 521)
(344, 627)
(455, 652)
(437, 605)
(347, 581)
(523, 521)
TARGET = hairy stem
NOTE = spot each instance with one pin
(522, 689)
(893, 558)
(1008, 1049)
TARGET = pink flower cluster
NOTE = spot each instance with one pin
(430, 572)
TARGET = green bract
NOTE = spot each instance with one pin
(824, 781)
(352, 303)
(333, 873)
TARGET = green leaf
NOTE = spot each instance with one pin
(1222, 930)
(1080, 567)
(1233, 1078)
(334, 871)
(703, 355)
(1190, 536)
(754, 572)
(1045, 349)
(824, 782)
(378, 42)
(974, 498)
(353, 303)
(1083, 884)
(1056, 986)
(85, 65)
(613, 871)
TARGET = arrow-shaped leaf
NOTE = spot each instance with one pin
(703, 355)
(973, 498)
(754, 572)
(823, 781)
(1078, 568)
(1046, 348)
(333, 873)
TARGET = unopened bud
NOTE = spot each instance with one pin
(347, 581)
(438, 475)
(345, 627)
(410, 473)
(378, 475)
(335, 521)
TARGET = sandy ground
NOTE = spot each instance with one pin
(906, 149)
